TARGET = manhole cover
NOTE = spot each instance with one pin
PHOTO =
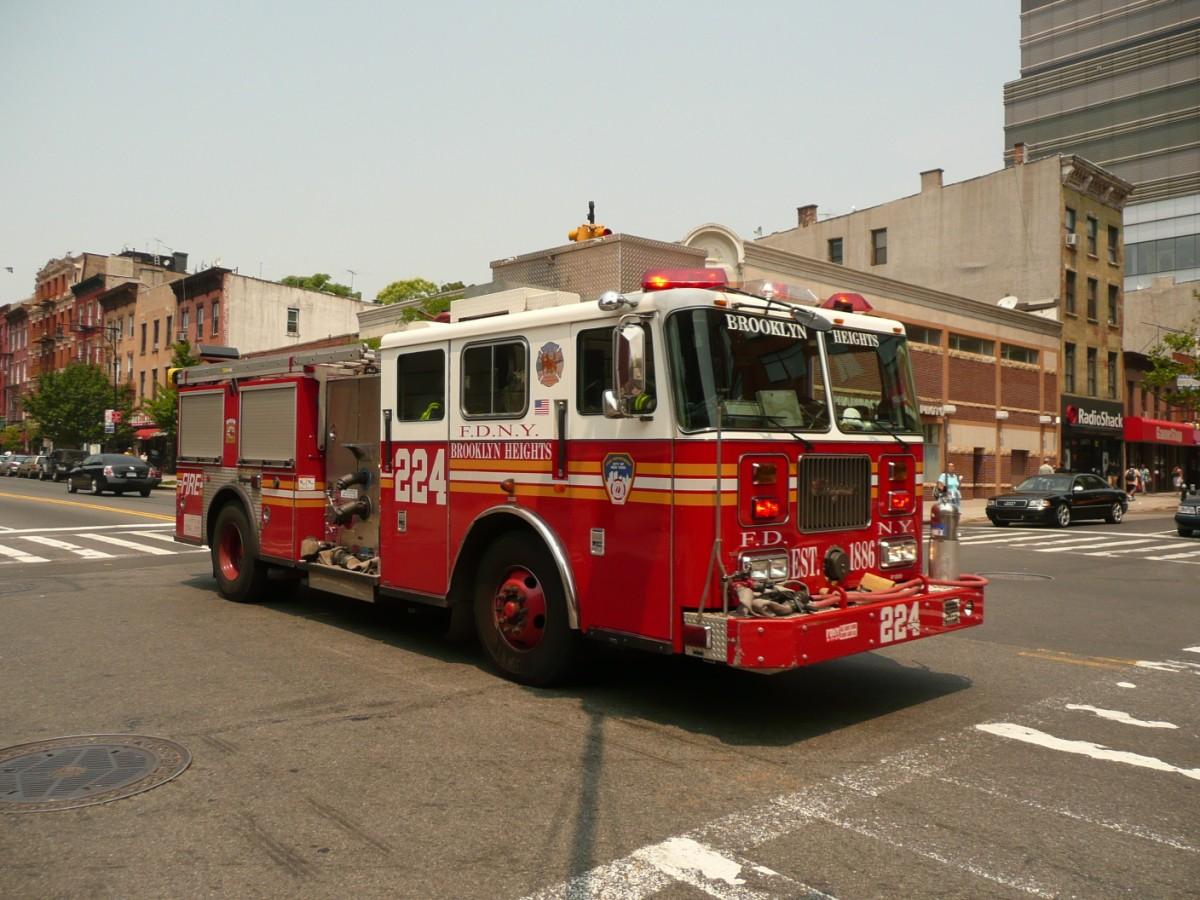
(1016, 576)
(69, 772)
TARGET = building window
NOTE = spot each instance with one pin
(878, 246)
(1112, 376)
(1014, 353)
(1113, 250)
(421, 386)
(1069, 221)
(142, 384)
(129, 366)
(1091, 371)
(965, 344)
(216, 318)
(183, 324)
(293, 320)
(143, 339)
(494, 381)
(117, 369)
(921, 335)
(1069, 293)
(1113, 295)
(1091, 299)
(1092, 226)
(1069, 368)
(1129, 398)
(156, 334)
(835, 250)
(170, 333)
(199, 324)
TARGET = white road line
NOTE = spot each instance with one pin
(1094, 546)
(1115, 715)
(85, 552)
(1191, 649)
(168, 536)
(20, 555)
(1135, 550)
(1176, 555)
(131, 545)
(1030, 539)
(1083, 748)
(143, 526)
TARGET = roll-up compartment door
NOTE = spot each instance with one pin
(269, 423)
(201, 418)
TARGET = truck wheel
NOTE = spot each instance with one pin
(521, 612)
(241, 575)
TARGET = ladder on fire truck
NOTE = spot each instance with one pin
(352, 359)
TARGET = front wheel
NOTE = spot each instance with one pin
(1062, 515)
(1116, 514)
(521, 612)
(241, 575)
(999, 523)
(1184, 532)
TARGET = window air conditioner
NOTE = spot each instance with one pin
(1072, 239)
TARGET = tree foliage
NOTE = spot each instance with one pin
(12, 438)
(1178, 354)
(68, 406)
(321, 283)
(164, 408)
(430, 299)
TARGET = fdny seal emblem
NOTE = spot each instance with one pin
(618, 470)
(550, 364)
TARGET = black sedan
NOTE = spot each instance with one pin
(1059, 499)
(114, 472)
(1187, 517)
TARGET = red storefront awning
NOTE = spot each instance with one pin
(144, 434)
(1156, 431)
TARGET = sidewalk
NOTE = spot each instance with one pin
(973, 511)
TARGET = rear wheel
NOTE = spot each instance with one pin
(1184, 532)
(1062, 515)
(145, 492)
(97, 488)
(241, 575)
(999, 523)
(521, 612)
(71, 488)
(1116, 513)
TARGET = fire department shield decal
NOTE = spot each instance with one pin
(550, 364)
(619, 472)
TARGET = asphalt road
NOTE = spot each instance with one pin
(347, 750)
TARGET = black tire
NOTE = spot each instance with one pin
(1184, 532)
(1116, 513)
(71, 486)
(97, 489)
(145, 492)
(241, 575)
(999, 524)
(534, 651)
(1062, 515)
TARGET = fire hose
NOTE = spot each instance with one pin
(782, 600)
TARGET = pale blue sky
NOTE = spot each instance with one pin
(428, 139)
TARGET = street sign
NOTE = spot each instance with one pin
(1186, 382)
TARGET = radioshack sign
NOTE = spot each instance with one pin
(1093, 417)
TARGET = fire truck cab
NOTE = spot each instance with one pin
(695, 468)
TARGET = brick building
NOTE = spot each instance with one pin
(14, 354)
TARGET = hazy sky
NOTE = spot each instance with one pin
(400, 139)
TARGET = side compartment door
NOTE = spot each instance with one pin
(414, 498)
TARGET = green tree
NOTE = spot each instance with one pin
(12, 438)
(68, 406)
(164, 408)
(426, 298)
(321, 283)
(1177, 356)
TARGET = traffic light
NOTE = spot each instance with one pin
(589, 229)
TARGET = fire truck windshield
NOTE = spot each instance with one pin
(766, 370)
(871, 379)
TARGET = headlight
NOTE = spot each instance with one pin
(895, 552)
(1042, 504)
(765, 566)
(1187, 510)
(991, 501)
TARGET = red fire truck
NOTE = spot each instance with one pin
(698, 467)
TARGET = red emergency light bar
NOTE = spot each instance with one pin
(665, 279)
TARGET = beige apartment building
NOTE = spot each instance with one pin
(1044, 237)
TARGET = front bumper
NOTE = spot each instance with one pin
(1020, 514)
(1187, 521)
(779, 644)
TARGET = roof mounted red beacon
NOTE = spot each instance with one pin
(665, 279)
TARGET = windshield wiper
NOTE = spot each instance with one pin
(780, 423)
(894, 435)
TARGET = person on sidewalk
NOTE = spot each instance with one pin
(1147, 487)
(949, 486)
(1046, 468)
(1131, 480)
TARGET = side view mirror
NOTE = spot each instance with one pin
(629, 397)
(1078, 487)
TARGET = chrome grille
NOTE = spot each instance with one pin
(1010, 502)
(834, 492)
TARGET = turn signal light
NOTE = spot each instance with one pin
(766, 508)
(764, 473)
(900, 501)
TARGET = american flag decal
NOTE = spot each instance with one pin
(541, 407)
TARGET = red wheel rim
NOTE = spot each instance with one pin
(229, 552)
(519, 609)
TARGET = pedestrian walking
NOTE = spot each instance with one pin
(1131, 481)
(949, 485)
(1147, 487)
(1046, 468)
(1177, 478)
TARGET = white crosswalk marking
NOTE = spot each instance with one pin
(1173, 546)
(1093, 546)
(85, 552)
(1176, 555)
(167, 536)
(20, 555)
(131, 545)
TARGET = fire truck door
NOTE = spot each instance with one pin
(414, 519)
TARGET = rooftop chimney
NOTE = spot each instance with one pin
(807, 215)
(1019, 153)
(931, 179)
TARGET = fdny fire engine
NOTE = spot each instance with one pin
(702, 468)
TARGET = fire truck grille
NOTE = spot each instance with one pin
(834, 492)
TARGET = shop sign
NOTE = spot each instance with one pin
(1153, 431)
(1093, 416)
(928, 409)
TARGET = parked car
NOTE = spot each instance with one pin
(114, 472)
(1059, 499)
(1187, 517)
(30, 466)
(11, 463)
(61, 461)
